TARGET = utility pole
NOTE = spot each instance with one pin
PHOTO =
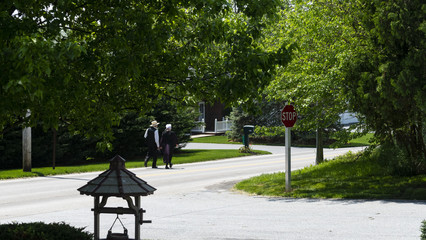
(26, 147)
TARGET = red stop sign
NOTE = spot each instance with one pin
(288, 116)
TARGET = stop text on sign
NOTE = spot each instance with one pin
(288, 116)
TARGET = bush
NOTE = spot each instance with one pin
(42, 231)
(239, 118)
(395, 160)
(423, 229)
(245, 150)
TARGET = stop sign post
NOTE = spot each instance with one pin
(288, 118)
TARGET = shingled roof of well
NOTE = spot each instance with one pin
(117, 181)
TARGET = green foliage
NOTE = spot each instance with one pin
(317, 32)
(264, 131)
(245, 149)
(239, 118)
(396, 160)
(364, 56)
(320, 37)
(264, 134)
(71, 148)
(42, 231)
(86, 63)
(354, 176)
(10, 148)
(181, 116)
(385, 78)
(423, 230)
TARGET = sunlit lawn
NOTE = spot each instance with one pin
(346, 177)
(214, 139)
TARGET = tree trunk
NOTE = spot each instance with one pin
(320, 150)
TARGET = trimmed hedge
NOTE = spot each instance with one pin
(42, 231)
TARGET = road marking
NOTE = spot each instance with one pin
(226, 167)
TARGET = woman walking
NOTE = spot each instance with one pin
(168, 143)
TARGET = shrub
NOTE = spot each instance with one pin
(42, 231)
(263, 131)
(239, 118)
(245, 150)
(395, 160)
(423, 229)
(264, 134)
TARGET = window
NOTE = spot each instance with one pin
(202, 110)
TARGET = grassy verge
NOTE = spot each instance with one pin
(361, 141)
(184, 156)
(347, 177)
(214, 139)
(357, 142)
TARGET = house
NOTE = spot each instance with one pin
(213, 117)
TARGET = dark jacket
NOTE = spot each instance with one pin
(170, 138)
(150, 137)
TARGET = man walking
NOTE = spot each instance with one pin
(152, 140)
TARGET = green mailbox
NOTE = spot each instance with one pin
(248, 129)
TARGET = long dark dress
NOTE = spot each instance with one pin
(168, 143)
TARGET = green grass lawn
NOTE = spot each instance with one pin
(184, 156)
(346, 177)
(214, 139)
(361, 141)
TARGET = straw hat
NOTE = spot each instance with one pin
(154, 123)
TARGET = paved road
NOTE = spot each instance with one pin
(194, 201)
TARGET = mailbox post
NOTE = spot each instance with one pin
(248, 129)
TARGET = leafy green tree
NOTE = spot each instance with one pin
(318, 33)
(385, 79)
(85, 62)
